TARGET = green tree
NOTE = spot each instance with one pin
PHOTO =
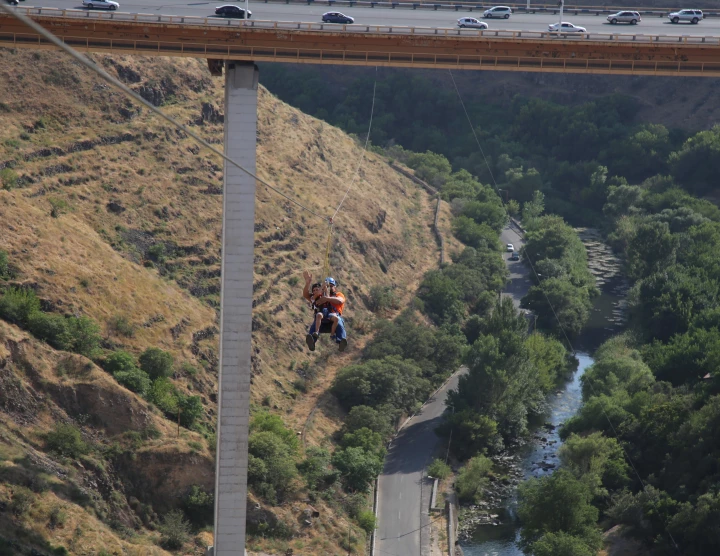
(695, 165)
(363, 416)
(164, 395)
(316, 469)
(175, 530)
(533, 208)
(135, 380)
(472, 479)
(479, 236)
(156, 362)
(561, 544)
(119, 361)
(366, 439)
(549, 357)
(366, 520)
(85, 334)
(598, 460)
(651, 250)
(429, 166)
(271, 465)
(191, 409)
(559, 306)
(555, 503)
(51, 328)
(199, 506)
(357, 467)
(492, 214)
(270, 422)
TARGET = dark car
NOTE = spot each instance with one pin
(232, 11)
(336, 17)
(515, 256)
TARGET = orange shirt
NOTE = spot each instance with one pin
(338, 307)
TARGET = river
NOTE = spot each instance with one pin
(539, 457)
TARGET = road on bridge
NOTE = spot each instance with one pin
(405, 17)
(403, 488)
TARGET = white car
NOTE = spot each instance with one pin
(689, 16)
(471, 22)
(566, 28)
(105, 4)
(498, 11)
(510, 247)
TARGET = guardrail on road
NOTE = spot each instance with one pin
(52, 13)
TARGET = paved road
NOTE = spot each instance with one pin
(519, 272)
(404, 492)
(400, 17)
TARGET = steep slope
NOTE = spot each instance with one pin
(108, 213)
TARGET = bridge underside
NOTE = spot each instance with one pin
(446, 51)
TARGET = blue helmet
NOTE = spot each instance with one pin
(330, 281)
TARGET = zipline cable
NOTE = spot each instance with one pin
(137, 98)
(537, 276)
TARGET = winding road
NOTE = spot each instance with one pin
(403, 488)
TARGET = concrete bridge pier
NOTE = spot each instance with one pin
(241, 84)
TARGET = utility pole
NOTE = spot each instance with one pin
(562, 5)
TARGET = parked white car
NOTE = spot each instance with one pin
(688, 16)
(471, 22)
(502, 12)
(103, 4)
(566, 28)
(633, 18)
(510, 247)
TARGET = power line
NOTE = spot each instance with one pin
(137, 98)
(537, 276)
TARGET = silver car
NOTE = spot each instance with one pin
(103, 4)
(633, 18)
(688, 16)
(471, 22)
(503, 12)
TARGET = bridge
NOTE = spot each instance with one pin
(408, 35)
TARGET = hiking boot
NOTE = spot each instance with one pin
(333, 338)
(315, 336)
(342, 344)
(310, 341)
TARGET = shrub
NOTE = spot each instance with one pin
(357, 467)
(8, 178)
(366, 520)
(199, 506)
(156, 362)
(191, 409)
(21, 501)
(135, 380)
(164, 395)
(66, 440)
(175, 530)
(120, 325)
(382, 298)
(119, 361)
(56, 518)
(5, 271)
(472, 478)
(17, 304)
(439, 469)
(85, 334)
(51, 328)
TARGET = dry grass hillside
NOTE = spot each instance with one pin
(108, 213)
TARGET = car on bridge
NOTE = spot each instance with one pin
(336, 17)
(471, 22)
(232, 11)
(633, 18)
(104, 4)
(566, 28)
(503, 12)
(688, 16)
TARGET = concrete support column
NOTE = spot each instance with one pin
(241, 82)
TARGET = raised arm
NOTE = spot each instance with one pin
(306, 290)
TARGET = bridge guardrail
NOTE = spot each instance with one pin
(476, 6)
(51, 13)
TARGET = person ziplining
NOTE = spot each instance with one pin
(328, 304)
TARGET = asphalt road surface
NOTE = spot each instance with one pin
(403, 489)
(650, 25)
